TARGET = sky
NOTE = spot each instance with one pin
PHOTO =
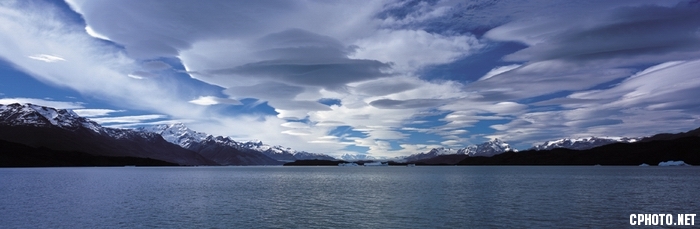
(380, 78)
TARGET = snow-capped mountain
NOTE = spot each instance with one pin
(180, 134)
(443, 151)
(40, 116)
(176, 133)
(222, 150)
(582, 143)
(282, 153)
(59, 129)
(303, 155)
(485, 149)
(430, 154)
(187, 138)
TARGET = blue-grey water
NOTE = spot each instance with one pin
(343, 197)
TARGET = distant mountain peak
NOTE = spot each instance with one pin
(62, 129)
(486, 149)
(35, 115)
(176, 133)
(180, 134)
(582, 143)
(442, 151)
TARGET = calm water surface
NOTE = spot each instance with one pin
(343, 197)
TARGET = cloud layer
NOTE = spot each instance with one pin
(628, 70)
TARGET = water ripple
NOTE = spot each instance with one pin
(337, 197)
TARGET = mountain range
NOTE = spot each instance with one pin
(47, 132)
(582, 143)
(652, 150)
(491, 148)
(59, 130)
(485, 149)
(227, 151)
(63, 130)
(221, 150)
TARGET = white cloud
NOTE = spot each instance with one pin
(212, 100)
(297, 132)
(127, 119)
(135, 76)
(452, 143)
(499, 70)
(423, 12)
(410, 50)
(47, 58)
(89, 113)
(94, 34)
(657, 68)
(43, 102)
(295, 125)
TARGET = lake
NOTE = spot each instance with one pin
(343, 197)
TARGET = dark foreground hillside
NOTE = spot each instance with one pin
(650, 152)
(19, 155)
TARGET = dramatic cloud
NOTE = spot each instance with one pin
(656, 98)
(155, 28)
(309, 73)
(392, 77)
(542, 78)
(635, 34)
(90, 67)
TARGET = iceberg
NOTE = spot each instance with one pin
(377, 163)
(673, 163)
